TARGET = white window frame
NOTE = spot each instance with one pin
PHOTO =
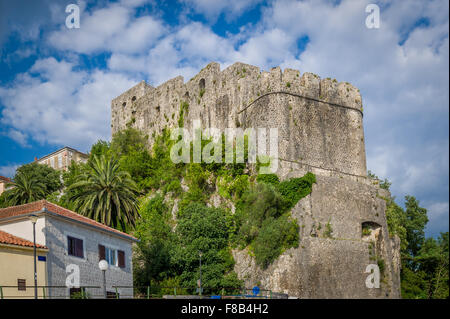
(116, 249)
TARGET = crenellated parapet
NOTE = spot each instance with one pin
(319, 121)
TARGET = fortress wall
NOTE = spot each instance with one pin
(334, 266)
(124, 107)
(310, 132)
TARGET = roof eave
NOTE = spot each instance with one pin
(123, 236)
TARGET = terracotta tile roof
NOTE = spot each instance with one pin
(7, 238)
(5, 179)
(53, 208)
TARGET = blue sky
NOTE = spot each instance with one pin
(56, 83)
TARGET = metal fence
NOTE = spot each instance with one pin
(135, 292)
(47, 292)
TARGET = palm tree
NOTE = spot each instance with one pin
(106, 194)
(24, 189)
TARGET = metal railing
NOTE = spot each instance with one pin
(171, 292)
(136, 292)
(44, 292)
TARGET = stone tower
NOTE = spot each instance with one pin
(320, 129)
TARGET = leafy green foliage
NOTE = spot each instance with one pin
(204, 229)
(275, 235)
(385, 184)
(100, 148)
(154, 229)
(263, 219)
(137, 163)
(26, 188)
(162, 173)
(172, 258)
(125, 141)
(268, 178)
(328, 233)
(46, 175)
(184, 108)
(295, 189)
(106, 194)
(430, 276)
(424, 271)
(416, 220)
(32, 182)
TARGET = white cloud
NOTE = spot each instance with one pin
(113, 28)
(438, 210)
(438, 217)
(8, 170)
(212, 9)
(19, 137)
(61, 106)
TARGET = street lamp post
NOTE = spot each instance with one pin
(103, 265)
(33, 219)
(200, 288)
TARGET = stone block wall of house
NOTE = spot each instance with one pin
(56, 231)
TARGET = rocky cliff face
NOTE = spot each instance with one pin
(320, 129)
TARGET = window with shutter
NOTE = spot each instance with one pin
(21, 284)
(75, 247)
(101, 252)
(121, 255)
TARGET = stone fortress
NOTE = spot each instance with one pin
(320, 129)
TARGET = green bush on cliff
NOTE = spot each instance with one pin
(263, 218)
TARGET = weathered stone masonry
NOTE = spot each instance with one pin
(320, 128)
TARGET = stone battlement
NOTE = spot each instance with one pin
(319, 121)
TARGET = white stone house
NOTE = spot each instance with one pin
(72, 239)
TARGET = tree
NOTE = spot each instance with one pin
(106, 194)
(126, 140)
(26, 189)
(432, 260)
(137, 163)
(416, 220)
(99, 148)
(153, 228)
(202, 228)
(70, 177)
(396, 222)
(49, 177)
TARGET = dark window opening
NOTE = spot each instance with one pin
(124, 104)
(121, 257)
(21, 284)
(75, 247)
(202, 84)
(101, 252)
(133, 98)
